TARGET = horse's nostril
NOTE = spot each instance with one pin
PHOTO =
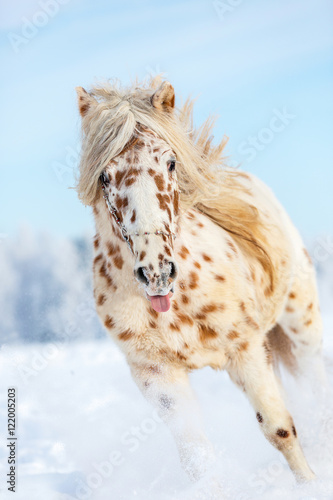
(140, 275)
(173, 270)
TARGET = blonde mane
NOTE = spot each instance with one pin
(206, 184)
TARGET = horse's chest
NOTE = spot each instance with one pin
(181, 336)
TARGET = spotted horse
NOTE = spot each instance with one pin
(195, 264)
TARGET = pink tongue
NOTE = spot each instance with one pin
(161, 303)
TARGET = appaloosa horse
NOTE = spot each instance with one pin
(196, 264)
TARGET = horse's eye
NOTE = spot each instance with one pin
(171, 165)
(104, 179)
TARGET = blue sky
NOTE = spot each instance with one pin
(247, 63)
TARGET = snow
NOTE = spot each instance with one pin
(84, 429)
(86, 432)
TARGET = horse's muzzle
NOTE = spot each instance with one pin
(157, 280)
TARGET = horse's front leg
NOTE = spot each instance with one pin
(252, 370)
(168, 389)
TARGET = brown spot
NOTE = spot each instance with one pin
(164, 200)
(174, 326)
(184, 318)
(181, 356)
(250, 321)
(209, 308)
(133, 172)
(167, 227)
(232, 246)
(206, 333)
(152, 324)
(259, 418)
(126, 335)
(167, 250)
(294, 330)
(185, 299)
(310, 306)
(308, 322)
(152, 312)
(282, 433)
(108, 322)
(175, 305)
(119, 178)
(290, 309)
(133, 216)
(169, 187)
(194, 278)
(184, 252)
(219, 277)
(154, 369)
(121, 202)
(110, 282)
(151, 172)
(160, 256)
(97, 259)
(207, 258)
(242, 306)
(159, 181)
(118, 261)
(112, 249)
(96, 241)
(190, 215)
(243, 346)
(294, 431)
(233, 335)
(292, 295)
(200, 224)
(197, 265)
(101, 299)
(102, 270)
(129, 181)
(176, 202)
(200, 316)
(95, 210)
(142, 255)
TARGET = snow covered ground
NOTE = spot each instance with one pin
(85, 431)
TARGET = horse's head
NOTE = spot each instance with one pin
(141, 187)
(142, 197)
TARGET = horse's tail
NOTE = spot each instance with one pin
(280, 347)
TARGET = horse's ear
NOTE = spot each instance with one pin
(164, 97)
(85, 101)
